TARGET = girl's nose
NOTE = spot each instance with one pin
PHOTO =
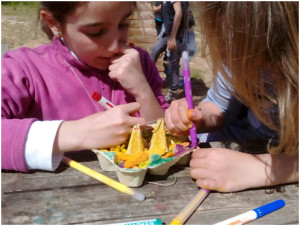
(114, 45)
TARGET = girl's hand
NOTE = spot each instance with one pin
(100, 130)
(127, 70)
(226, 170)
(179, 119)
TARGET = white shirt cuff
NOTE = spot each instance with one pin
(39, 146)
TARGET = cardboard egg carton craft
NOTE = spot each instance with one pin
(150, 149)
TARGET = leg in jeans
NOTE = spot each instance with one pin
(159, 47)
(173, 65)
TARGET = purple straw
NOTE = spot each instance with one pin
(188, 93)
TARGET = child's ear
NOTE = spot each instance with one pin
(53, 25)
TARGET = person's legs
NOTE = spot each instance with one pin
(166, 68)
(159, 47)
(173, 66)
(174, 69)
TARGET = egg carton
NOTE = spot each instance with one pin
(135, 177)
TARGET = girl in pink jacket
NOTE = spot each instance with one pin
(47, 107)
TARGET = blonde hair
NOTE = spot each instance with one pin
(247, 39)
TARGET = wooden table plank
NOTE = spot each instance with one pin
(70, 197)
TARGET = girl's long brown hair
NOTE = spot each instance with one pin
(254, 45)
(60, 10)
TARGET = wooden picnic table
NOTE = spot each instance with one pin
(68, 196)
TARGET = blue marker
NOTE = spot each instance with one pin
(254, 214)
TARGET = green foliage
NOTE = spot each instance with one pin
(20, 3)
(19, 8)
(196, 73)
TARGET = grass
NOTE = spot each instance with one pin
(196, 73)
(19, 8)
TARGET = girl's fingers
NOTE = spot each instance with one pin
(200, 153)
(182, 111)
(131, 109)
(200, 173)
(197, 163)
(204, 177)
(194, 115)
(123, 49)
(176, 116)
(113, 67)
(209, 184)
(173, 126)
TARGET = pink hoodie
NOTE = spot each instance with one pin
(38, 84)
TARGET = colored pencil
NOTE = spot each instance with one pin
(190, 207)
(104, 179)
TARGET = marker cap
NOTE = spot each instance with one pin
(139, 196)
(96, 96)
(185, 56)
(268, 208)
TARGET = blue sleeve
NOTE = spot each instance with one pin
(221, 95)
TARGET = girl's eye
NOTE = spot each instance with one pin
(95, 34)
(102, 31)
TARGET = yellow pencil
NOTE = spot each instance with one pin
(190, 207)
(104, 179)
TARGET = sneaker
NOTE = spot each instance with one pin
(171, 95)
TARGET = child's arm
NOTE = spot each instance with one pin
(176, 23)
(227, 170)
(156, 8)
(128, 71)
(210, 114)
(101, 130)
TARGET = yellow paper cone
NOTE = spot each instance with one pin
(136, 142)
(159, 140)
